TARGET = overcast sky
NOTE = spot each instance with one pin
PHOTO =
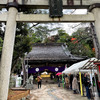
(71, 27)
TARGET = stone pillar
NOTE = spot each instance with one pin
(7, 53)
(96, 12)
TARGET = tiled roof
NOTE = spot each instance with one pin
(50, 51)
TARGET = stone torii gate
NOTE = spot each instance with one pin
(13, 16)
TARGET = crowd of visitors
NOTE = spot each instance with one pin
(88, 88)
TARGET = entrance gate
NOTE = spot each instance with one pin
(13, 16)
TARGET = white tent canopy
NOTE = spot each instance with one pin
(77, 66)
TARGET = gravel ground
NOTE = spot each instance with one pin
(53, 92)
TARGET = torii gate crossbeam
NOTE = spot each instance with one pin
(44, 18)
(44, 4)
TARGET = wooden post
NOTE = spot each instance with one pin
(7, 53)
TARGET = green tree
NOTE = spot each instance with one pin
(79, 43)
(43, 32)
(1, 37)
(63, 36)
(22, 44)
(83, 44)
(35, 38)
(1, 43)
(60, 37)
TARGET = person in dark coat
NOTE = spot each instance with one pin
(87, 85)
(71, 79)
(39, 80)
(83, 87)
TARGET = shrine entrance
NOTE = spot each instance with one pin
(47, 59)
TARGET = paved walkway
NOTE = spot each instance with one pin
(53, 92)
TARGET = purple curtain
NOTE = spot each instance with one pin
(52, 69)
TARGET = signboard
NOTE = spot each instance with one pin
(55, 8)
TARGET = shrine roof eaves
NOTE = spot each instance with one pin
(51, 52)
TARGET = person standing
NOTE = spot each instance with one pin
(75, 85)
(59, 81)
(39, 80)
(67, 82)
(87, 85)
(83, 86)
(22, 77)
(70, 80)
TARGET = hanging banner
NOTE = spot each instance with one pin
(52, 69)
(99, 67)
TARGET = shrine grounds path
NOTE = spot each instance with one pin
(53, 92)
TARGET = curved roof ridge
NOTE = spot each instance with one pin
(48, 44)
(66, 51)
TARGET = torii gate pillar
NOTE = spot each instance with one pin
(7, 53)
(96, 12)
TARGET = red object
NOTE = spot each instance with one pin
(99, 67)
(76, 42)
(98, 64)
(99, 84)
(59, 73)
(72, 39)
(93, 49)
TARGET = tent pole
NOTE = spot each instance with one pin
(81, 84)
(96, 93)
(92, 81)
(62, 80)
